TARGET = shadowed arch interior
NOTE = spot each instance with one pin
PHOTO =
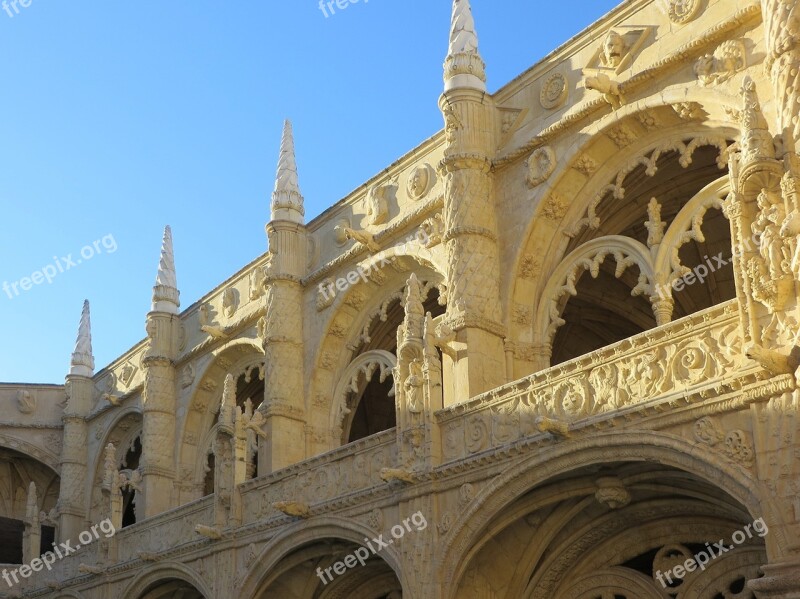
(604, 311)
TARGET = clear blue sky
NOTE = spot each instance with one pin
(117, 118)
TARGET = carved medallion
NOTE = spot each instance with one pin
(541, 165)
(683, 11)
(420, 181)
(554, 91)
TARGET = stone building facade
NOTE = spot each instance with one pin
(552, 352)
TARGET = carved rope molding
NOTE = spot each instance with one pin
(751, 14)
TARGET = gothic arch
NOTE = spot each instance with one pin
(32, 451)
(164, 573)
(588, 257)
(351, 380)
(711, 196)
(122, 431)
(348, 316)
(201, 404)
(542, 247)
(265, 567)
(465, 537)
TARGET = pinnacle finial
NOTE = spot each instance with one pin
(464, 66)
(287, 201)
(82, 363)
(32, 504)
(228, 405)
(757, 142)
(414, 309)
(165, 293)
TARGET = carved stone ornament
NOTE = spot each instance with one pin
(26, 402)
(377, 202)
(339, 231)
(683, 11)
(420, 181)
(541, 165)
(554, 91)
(618, 48)
(727, 60)
(230, 301)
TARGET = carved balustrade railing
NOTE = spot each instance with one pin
(327, 482)
(326, 479)
(694, 357)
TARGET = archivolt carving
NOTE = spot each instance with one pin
(613, 582)
(650, 161)
(589, 257)
(353, 381)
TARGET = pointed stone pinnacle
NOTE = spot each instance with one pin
(287, 201)
(227, 408)
(464, 66)
(82, 363)
(165, 293)
(463, 37)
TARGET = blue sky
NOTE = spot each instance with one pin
(117, 118)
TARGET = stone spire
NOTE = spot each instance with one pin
(287, 201)
(757, 141)
(228, 405)
(464, 66)
(82, 363)
(165, 293)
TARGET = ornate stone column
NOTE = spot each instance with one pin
(72, 500)
(474, 311)
(757, 211)
(782, 29)
(282, 326)
(159, 400)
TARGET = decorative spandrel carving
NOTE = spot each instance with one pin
(377, 202)
(230, 301)
(554, 91)
(683, 11)
(420, 181)
(26, 402)
(727, 60)
(618, 49)
(541, 165)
